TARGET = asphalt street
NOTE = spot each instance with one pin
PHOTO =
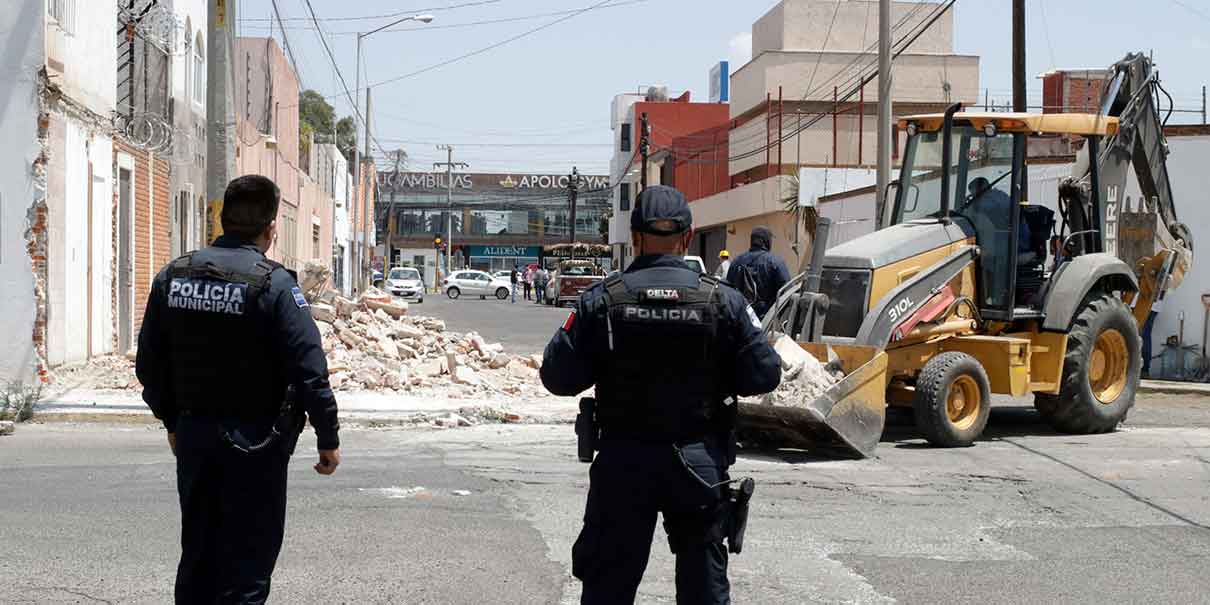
(524, 327)
(488, 514)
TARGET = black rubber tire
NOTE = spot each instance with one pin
(1076, 408)
(501, 293)
(453, 293)
(932, 396)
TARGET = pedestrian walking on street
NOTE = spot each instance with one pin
(759, 273)
(226, 335)
(514, 276)
(541, 278)
(528, 281)
(724, 265)
(667, 349)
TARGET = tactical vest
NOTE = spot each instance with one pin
(223, 358)
(660, 373)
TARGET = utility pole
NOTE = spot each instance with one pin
(367, 211)
(449, 165)
(1019, 102)
(1203, 104)
(644, 148)
(390, 222)
(220, 112)
(884, 111)
(573, 191)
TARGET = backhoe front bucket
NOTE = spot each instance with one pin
(848, 417)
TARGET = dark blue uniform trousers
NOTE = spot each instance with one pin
(630, 483)
(233, 512)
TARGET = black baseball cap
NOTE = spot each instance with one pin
(660, 203)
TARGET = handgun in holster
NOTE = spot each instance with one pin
(738, 519)
(285, 430)
(587, 432)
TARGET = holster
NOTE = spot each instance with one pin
(284, 433)
(737, 519)
(587, 432)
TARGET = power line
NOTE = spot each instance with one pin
(386, 16)
(489, 47)
(286, 41)
(1195, 11)
(476, 23)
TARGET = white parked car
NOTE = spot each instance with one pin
(502, 274)
(473, 283)
(695, 263)
(405, 282)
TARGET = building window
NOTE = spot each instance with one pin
(63, 11)
(314, 241)
(625, 142)
(199, 71)
(624, 197)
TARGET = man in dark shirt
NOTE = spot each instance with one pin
(226, 335)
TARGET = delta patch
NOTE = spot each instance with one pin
(206, 295)
(662, 294)
(299, 299)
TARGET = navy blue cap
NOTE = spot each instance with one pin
(660, 203)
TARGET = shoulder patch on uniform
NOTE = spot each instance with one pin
(299, 299)
(570, 321)
(752, 317)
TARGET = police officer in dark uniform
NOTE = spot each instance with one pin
(768, 271)
(226, 336)
(667, 349)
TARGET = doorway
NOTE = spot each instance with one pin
(125, 257)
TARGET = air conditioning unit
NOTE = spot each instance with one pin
(658, 93)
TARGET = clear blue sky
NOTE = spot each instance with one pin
(555, 86)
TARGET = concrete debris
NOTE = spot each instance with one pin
(313, 280)
(803, 377)
(461, 492)
(451, 420)
(323, 313)
(370, 347)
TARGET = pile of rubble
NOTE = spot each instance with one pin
(803, 377)
(373, 344)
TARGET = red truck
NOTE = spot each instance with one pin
(571, 279)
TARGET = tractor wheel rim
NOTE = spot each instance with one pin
(963, 402)
(1108, 366)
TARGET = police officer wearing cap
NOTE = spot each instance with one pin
(667, 349)
(226, 335)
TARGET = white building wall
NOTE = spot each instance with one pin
(22, 36)
(82, 55)
(846, 25)
(622, 112)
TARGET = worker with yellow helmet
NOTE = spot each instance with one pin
(724, 264)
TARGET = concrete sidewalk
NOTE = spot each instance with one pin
(360, 406)
(1174, 388)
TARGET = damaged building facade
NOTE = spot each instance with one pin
(104, 172)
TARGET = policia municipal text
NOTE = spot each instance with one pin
(668, 349)
(230, 360)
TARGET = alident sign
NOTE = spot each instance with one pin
(436, 181)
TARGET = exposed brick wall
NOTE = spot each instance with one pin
(152, 227)
(37, 240)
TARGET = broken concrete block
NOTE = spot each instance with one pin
(451, 361)
(338, 379)
(406, 331)
(494, 348)
(363, 318)
(431, 368)
(392, 309)
(388, 349)
(405, 351)
(499, 360)
(477, 342)
(465, 375)
(435, 325)
(351, 340)
(313, 279)
(380, 314)
(521, 371)
(368, 378)
(344, 307)
(322, 312)
(391, 380)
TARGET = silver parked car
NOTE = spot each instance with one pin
(472, 282)
(405, 282)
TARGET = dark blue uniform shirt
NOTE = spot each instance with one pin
(251, 368)
(567, 365)
(769, 271)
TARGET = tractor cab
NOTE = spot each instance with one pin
(967, 170)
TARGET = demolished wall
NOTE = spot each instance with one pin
(22, 188)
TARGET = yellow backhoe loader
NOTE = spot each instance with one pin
(962, 296)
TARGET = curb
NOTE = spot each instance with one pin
(1174, 388)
